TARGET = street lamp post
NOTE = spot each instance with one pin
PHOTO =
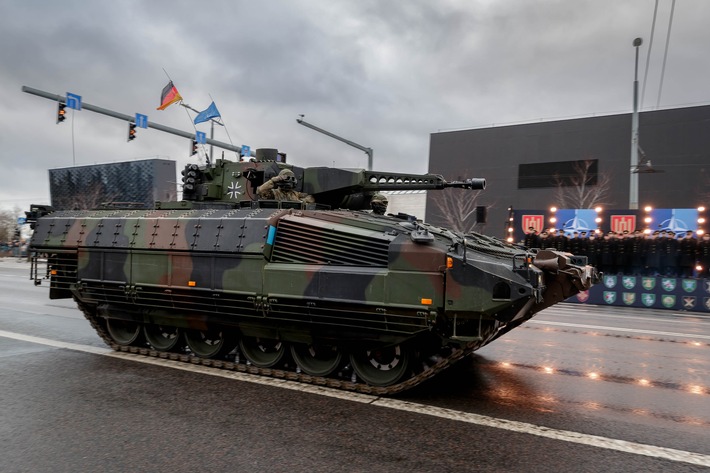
(634, 182)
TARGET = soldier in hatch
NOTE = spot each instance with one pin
(283, 187)
(379, 204)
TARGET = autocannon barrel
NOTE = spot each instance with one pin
(475, 183)
(383, 181)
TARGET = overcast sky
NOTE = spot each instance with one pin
(383, 74)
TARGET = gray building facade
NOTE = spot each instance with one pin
(139, 182)
(526, 166)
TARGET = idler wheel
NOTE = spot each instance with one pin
(381, 367)
(316, 360)
(124, 332)
(208, 343)
(162, 337)
(261, 352)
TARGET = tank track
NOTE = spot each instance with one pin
(444, 361)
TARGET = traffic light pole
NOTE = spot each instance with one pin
(367, 150)
(129, 118)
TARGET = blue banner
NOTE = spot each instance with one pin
(207, 114)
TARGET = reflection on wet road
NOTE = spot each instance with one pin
(656, 366)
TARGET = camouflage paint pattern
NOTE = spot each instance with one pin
(264, 265)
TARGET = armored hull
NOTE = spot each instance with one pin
(344, 298)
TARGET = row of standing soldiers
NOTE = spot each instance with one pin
(660, 253)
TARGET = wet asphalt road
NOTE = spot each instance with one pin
(620, 374)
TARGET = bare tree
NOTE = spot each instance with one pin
(8, 224)
(583, 189)
(457, 209)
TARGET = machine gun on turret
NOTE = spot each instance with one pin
(234, 184)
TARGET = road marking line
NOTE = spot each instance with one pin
(541, 431)
(670, 318)
(56, 343)
(389, 403)
(620, 329)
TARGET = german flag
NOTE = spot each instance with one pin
(169, 96)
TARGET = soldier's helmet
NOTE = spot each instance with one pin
(378, 203)
(288, 179)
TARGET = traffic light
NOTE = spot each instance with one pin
(61, 113)
(193, 148)
(131, 132)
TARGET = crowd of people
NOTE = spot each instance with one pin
(658, 253)
(15, 248)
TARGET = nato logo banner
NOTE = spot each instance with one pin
(668, 301)
(609, 297)
(576, 220)
(676, 220)
(610, 281)
(648, 299)
(707, 285)
(706, 300)
(668, 284)
(629, 298)
(648, 283)
(688, 302)
(689, 285)
(629, 282)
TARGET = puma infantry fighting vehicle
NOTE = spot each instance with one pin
(319, 290)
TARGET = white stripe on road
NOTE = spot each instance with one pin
(621, 329)
(56, 343)
(442, 413)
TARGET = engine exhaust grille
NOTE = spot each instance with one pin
(323, 243)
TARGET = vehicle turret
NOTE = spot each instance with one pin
(234, 184)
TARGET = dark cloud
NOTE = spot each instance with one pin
(383, 74)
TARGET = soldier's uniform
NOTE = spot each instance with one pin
(703, 252)
(532, 240)
(636, 248)
(669, 254)
(621, 255)
(283, 187)
(574, 244)
(560, 241)
(652, 253)
(686, 254)
(606, 254)
(592, 248)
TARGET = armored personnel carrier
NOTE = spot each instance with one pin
(319, 290)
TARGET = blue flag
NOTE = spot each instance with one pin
(209, 112)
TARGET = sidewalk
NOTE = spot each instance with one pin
(14, 261)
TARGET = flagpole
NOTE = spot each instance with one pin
(211, 135)
(226, 130)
